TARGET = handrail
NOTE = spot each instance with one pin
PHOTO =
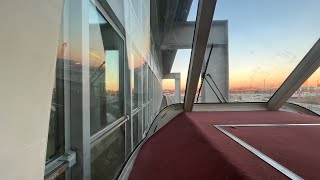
(97, 137)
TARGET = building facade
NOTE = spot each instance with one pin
(107, 89)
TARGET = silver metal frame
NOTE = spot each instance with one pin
(205, 13)
(60, 165)
(97, 137)
(79, 17)
(55, 165)
(258, 153)
(101, 134)
(109, 19)
(58, 170)
(52, 165)
(67, 88)
(85, 121)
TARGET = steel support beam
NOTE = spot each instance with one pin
(308, 65)
(169, 16)
(203, 25)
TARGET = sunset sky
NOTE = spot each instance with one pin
(267, 39)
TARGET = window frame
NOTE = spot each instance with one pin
(122, 77)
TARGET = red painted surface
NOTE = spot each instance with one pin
(297, 148)
(188, 147)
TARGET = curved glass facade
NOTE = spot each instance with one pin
(108, 87)
(120, 62)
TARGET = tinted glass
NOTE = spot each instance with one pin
(145, 82)
(136, 80)
(145, 118)
(108, 156)
(151, 112)
(106, 72)
(135, 127)
(55, 145)
(150, 84)
(308, 95)
(255, 50)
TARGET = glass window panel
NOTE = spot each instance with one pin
(258, 48)
(136, 80)
(308, 95)
(180, 65)
(168, 90)
(106, 72)
(108, 156)
(145, 118)
(150, 113)
(150, 84)
(155, 95)
(135, 121)
(55, 145)
(145, 82)
(136, 6)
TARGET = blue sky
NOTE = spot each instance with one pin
(267, 39)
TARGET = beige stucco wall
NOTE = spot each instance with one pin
(28, 47)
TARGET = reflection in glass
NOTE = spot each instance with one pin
(145, 118)
(137, 81)
(106, 62)
(108, 156)
(55, 145)
(135, 127)
(150, 84)
(308, 95)
(150, 113)
(155, 97)
(145, 82)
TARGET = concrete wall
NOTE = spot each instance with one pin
(177, 83)
(181, 36)
(218, 68)
(28, 49)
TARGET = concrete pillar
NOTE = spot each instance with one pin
(177, 85)
(177, 94)
(218, 68)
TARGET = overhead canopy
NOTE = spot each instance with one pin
(166, 14)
